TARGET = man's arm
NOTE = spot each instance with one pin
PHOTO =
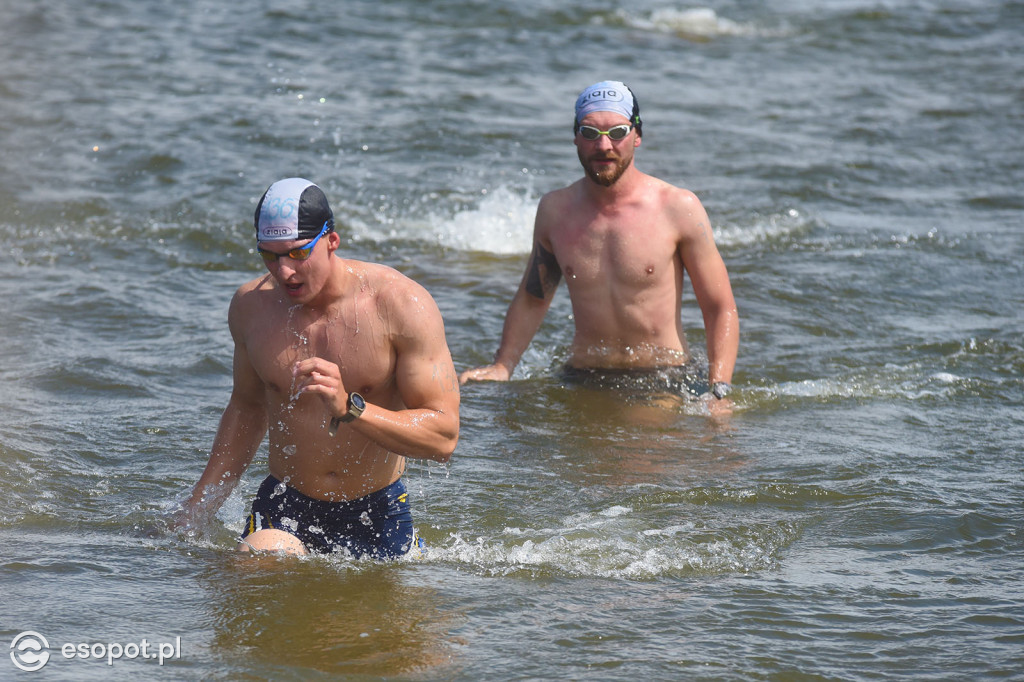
(241, 430)
(526, 312)
(712, 288)
(428, 426)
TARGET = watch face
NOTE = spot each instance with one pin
(357, 401)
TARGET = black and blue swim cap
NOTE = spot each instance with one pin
(292, 209)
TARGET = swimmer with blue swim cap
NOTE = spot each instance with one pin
(342, 365)
(292, 209)
(627, 243)
(611, 96)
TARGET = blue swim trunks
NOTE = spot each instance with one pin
(377, 525)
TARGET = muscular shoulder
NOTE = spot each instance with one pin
(666, 195)
(562, 212)
(399, 299)
(683, 210)
(553, 206)
(388, 283)
(559, 198)
(259, 286)
(250, 298)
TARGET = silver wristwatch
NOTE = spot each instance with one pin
(720, 389)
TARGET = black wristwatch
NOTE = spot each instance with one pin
(720, 389)
(355, 406)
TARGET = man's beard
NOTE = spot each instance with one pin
(607, 175)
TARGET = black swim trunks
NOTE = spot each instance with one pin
(378, 525)
(686, 380)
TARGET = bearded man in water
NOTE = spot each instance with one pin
(623, 241)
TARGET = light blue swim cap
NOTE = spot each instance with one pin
(613, 96)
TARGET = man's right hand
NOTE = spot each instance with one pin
(486, 373)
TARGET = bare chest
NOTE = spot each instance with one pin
(631, 250)
(357, 343)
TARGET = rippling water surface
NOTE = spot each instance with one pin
(858, 516)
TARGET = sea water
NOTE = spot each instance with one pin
(857, 517)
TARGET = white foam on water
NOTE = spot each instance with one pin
(700, 23)
(760, 229)
(501, 223)
(914, 381)
(619, 542)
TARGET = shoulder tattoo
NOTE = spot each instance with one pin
(544, 274)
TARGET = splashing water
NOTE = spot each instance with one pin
(502, 223)
(281, 487)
